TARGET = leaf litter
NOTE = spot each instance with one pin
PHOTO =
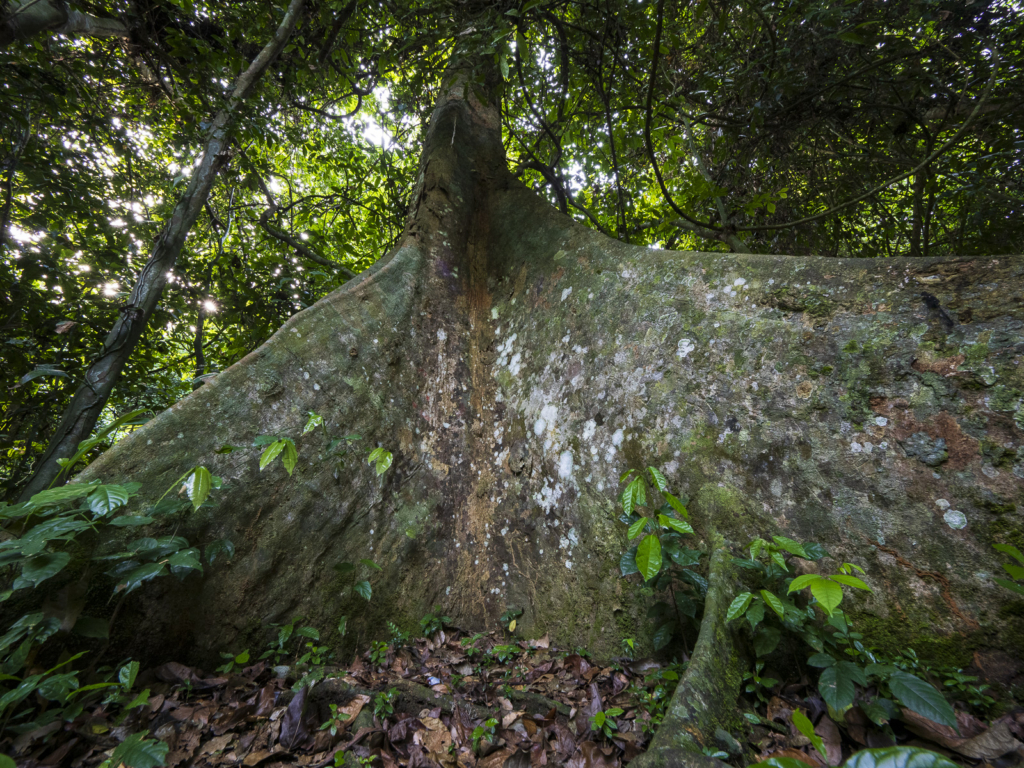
(470, 701)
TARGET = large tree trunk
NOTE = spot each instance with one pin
(516, 363)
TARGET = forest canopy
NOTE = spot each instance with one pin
(858, 129)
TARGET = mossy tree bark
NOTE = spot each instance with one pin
(516, 363)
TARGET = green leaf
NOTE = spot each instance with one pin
(627, 563)
(290, 456)
(1015, 571)
(648, 557)
(827, 593)
(774, 603)
(625, 475)
(766, 640)
(658, 479)
(139, 752)
(780, 762)
(637, 528)
(837, 688)
(315, 420)
(793, 547)
(106, 499)
(821, 660)
(850, 581)
(503, 63)
(634, 496)
(806, 727)
(127, 674)
(680, 526)
(139, 576)
(128, 521)
(1007, 549)
(876, 713)
(738, 606)
(921, 697)
(38, 569)
(898, 757)
(364, 590)
(270, 453)
(755, 613)
(677, 505)
(185, 560)
(370, 564)
(198, 486)
(61, 495)
(1010, 585)
(662, 636)
(214, 548)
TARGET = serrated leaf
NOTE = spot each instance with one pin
(637, 528)
(106, 499)
(198, 486)
(270, 453)
(921, 697)
(137, 751)
(898, 757)
(364, 590)
(658, 479)
(774, 603)
(662, 636)
(648, 557)
(680, 526)
(738, 606)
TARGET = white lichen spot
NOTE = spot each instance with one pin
(494, 313)
(568, 564)
(856, 447)
(305, 375)
(739, 281)
(617, 438)
(684, 347)
(447, 590)
(441, 335)
(881, 421)
(942, 504)
(588, 429)
(565, 465)
(316, 387)
(180, 435)
(565, 339)
(566, 293)
(955, 519)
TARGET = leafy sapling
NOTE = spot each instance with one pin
(336, 721)
(384, 703)
(603, 722)
(485, 731)
(433, 622)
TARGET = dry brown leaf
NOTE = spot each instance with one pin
(829, 733)
(796, 754)
(216, 744)
(496, 759)
(543, 642)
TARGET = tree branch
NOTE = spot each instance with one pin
(27, 18)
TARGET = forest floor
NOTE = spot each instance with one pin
(468, 701)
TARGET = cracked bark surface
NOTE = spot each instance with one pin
(516, 363)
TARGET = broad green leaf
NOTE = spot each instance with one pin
(185, 560)
(821, 660)
(850, 581)
(315, 420)
(625, 475)
(793, 547)
(270, 453)
(677, 505)
(311, 632)
(370, 564)
(806, 727)
(127, 674)
(815, 551)
(921, 697)
(1007, 549)
(627, 563)
(755, 613)
(215, 548)
(1015, 571)
(139, 752)
(680, 526)
(766, 640)
(198, 486)
(1010, 585)
(648, 557)
(876, 712)
(637, 528)
(364, 590)
(382, 458)
(683, 557)
(662, 635)
(898, 757)
(129, 521)
(137, 577)
(774, 603)
(827, 593)
(60, 495)
(106, 499)
(837, 688)
(658, 479)
(634, 496)
(738, 606)
(38, 569)
(289, 456)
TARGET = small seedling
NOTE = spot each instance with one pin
(487, 729)
(603, 722)
(384, 703)
(336, 720)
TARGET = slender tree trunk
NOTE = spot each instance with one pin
(516, 363)
(102, 375)
(22, 19)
